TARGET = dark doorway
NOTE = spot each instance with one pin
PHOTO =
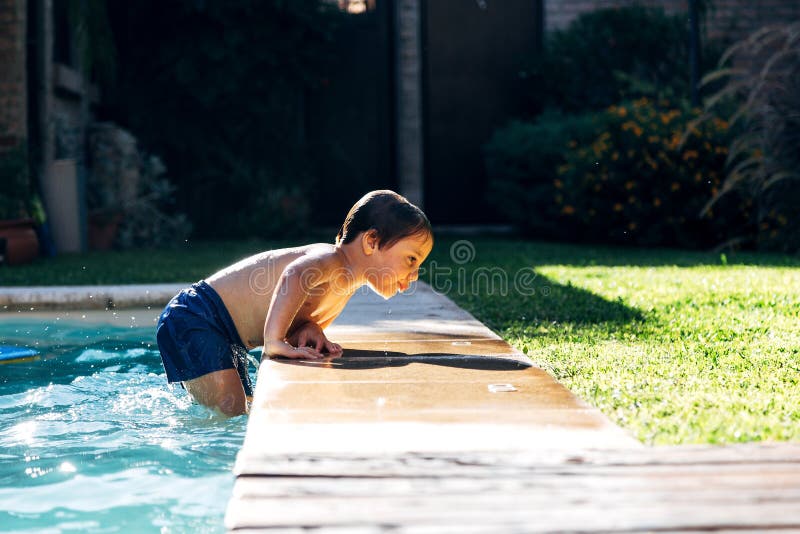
(350, 117)
(474, 51)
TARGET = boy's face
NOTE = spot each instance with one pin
(394, 268)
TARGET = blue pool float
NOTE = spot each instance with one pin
(13, 354)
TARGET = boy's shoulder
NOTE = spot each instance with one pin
(320, 256)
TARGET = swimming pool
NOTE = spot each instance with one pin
(93, 439)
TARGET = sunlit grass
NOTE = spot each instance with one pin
(704, 352)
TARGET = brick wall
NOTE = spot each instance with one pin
(13, 96)
(729, 20)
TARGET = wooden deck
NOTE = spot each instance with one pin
(416, 429)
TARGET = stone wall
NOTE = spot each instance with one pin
(13, 95)
(728, 20)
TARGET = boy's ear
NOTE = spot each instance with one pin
(369, 242)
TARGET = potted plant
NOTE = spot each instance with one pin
(20, 209)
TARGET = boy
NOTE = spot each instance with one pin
(284, 299)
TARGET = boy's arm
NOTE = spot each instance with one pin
(293, 287)
(310, 333)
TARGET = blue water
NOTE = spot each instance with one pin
(92, 439)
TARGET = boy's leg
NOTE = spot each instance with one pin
(221, 390)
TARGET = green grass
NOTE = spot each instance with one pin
(676, 346)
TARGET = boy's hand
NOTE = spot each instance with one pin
(282, 348)
(311, 335)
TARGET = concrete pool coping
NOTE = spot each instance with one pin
(84, 297)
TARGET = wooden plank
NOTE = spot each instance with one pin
(467, 463)
(637, 483)
(743, 487)
(465, 528)
(504, 510)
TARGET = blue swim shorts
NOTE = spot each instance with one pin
(196, 336)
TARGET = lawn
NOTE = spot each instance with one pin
(676, 346)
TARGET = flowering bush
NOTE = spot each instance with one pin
(636, 173)
(637, 180)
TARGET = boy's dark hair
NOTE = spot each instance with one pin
(391, 215)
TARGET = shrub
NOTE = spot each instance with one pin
(18, 198)
(762, 97)
(638, 183)
(218, 89)
(632, 182)
(14, 186)
(128, 188)
(608, 55)
(521, 162)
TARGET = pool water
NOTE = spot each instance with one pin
(93, 439)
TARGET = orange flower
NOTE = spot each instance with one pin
(630, 125)
(617, 207)
(568, 210)
(675, 186)
(632, 226)
(720, 124)
(630, 185)
(558, 184)
(656, 202)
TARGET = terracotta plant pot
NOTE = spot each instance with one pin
(102, 230)
(18, 241)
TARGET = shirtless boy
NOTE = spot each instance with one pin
(283, 299)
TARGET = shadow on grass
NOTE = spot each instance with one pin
(541, 300)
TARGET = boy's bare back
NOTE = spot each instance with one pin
(246, 288)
